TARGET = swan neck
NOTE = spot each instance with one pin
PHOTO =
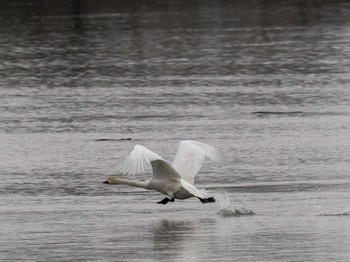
(131, 182)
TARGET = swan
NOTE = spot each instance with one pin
(175, 180)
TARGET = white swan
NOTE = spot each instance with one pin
(176, 180)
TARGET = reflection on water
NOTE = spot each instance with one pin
(171, 237)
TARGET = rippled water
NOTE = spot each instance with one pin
(267, 82)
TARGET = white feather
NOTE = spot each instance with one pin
(190, 157)
(138, 160)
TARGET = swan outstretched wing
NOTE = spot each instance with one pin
(190, 157)
(138, 160)
(162, 170)
(142, 158)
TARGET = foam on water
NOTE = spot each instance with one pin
(329, 208)
(228, 210)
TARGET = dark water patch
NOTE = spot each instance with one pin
(290, 187)
(346, 213)
(298, 113)
(326, 113)
(55, 184)
(278, 113)
(112, 139)
(51, 190)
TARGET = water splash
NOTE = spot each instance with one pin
(328, 208)
(327, 213)
(227, 210)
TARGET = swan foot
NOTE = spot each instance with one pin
(207, 200)
(166, 200)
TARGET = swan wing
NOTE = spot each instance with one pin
(138, 160)
(142, 158)
(162, 170)
(190, 157)
(191, 189)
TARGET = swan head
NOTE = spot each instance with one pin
(112, 180)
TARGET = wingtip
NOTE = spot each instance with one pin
(221, 157)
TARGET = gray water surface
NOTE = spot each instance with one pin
(267, 82)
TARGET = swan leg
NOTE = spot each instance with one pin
(166, 200)
(207, 200)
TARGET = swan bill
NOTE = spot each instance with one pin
(105, 182)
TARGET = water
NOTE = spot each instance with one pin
(266, 82)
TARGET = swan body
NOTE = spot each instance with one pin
(175, 181)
